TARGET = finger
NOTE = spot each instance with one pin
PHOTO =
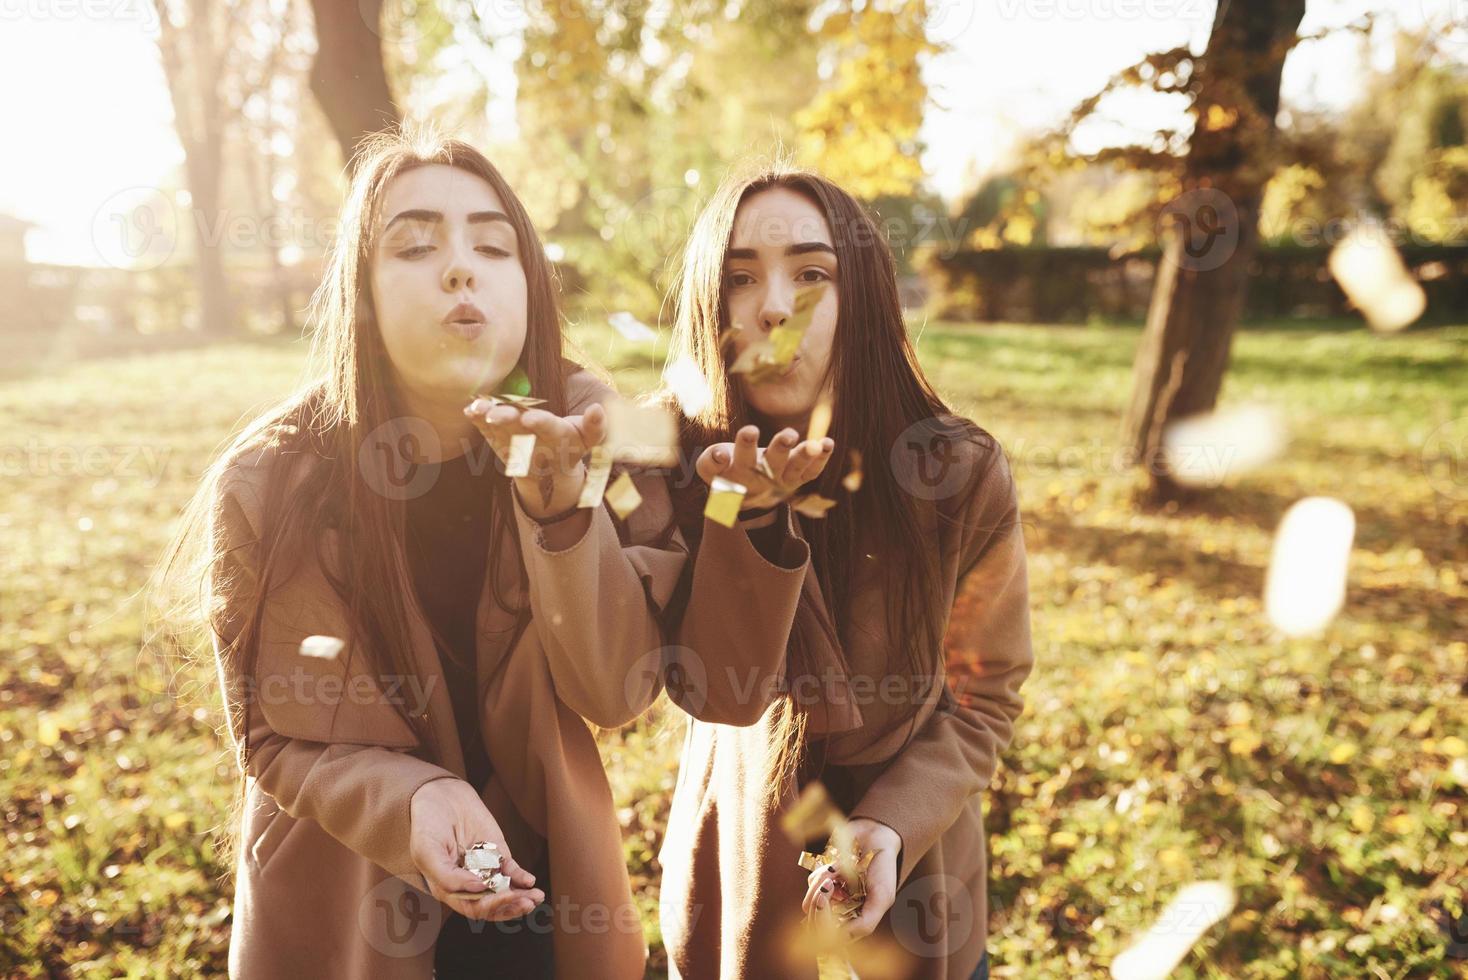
(778, 454)
(820, 888)
(505, 418)
(498, 907)
(594, 426)
(812, 459)
(714, 460)
(519, 877)
(746, 446)
(865, 923)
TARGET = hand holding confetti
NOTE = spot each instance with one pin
(770, 475)
(541, 451)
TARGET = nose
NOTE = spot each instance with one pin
(456, 275)
(776, 307)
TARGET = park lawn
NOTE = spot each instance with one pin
(1170, 734)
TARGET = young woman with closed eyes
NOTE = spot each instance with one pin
(411, 643)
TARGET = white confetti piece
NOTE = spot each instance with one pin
(688, 385)
(645, 435)
(630, 327)
(522, 447)
(322, 647)
(1192, 912)
(1206, 449)
(1373, 276)
(1306, 583)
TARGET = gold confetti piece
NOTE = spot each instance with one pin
(1373, 276)
(812, 505)
(823, 938)
(852, 480)
(1190, 914)
(322, 647)
(725, 500)
(1306, 583)
(820, 420)
(688, 385)
(598, 471)
(521, 402)
(522, 446)
(812, 815)
(623, 497)
(851, 865)
(768, 357)
(645, 435)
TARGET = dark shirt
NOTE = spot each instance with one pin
(448, 531)
(448, 546)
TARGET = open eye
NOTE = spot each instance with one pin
(814, 274)
(737, 279)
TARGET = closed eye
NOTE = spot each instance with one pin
(415, 251)
(494, 250)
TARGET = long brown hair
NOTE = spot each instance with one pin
(879, 392)
(323, 471)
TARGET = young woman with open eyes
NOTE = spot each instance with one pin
(837, 640)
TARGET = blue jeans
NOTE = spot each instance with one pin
(981, 972)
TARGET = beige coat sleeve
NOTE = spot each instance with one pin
(359, 794)
(598, 604)
(735, 626)
(954, 754)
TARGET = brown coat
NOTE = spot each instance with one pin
(732, 889)
(324, 883)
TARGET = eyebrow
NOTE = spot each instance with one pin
(418, 214)
(801, 248)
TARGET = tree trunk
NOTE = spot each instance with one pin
(216, 310)
(195, 64)
(1203, 275)
(348, 77)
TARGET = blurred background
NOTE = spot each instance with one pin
(1193, 262)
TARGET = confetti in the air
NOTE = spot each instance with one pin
(1373, 276)
(1192, 912)
(725, 499)
(322, 647)
(630, 327)
(522, 448)
(644, 435)
(598, 470)
(623, 497)
(1206, 449)
(1306, 583)
(688, 385)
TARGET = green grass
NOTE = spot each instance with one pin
(1170, 735)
